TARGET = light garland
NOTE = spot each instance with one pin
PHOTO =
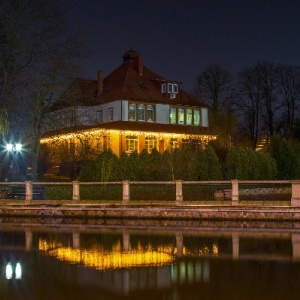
(102, 132)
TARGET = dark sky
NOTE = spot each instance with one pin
(178, 39)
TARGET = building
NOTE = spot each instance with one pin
(131, 109)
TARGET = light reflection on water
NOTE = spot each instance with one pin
(120, 263)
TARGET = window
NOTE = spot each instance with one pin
(141, 112)
(181, 116)
(99, 116)
(189, 116)
(142, 85)
(150, 143)
(67, 118)
(173, 115)
(132, 112)
(98, 145)
(150, 113)
(196, 117)
(110, 114)
(174, 143)
(163, 88)
(131, 143)
(172, 88)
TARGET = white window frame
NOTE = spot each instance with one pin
(131, 143)
(172, 88)
(150, 143)
(110, 114)
(150, 108)
(99, 116)
(141, 112)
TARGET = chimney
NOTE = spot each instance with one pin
(100, 83)
(136, 59)
(138, 64)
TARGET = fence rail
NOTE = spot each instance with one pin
(176, 192)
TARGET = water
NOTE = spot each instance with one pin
(149, 261)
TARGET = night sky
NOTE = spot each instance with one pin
(178, 39)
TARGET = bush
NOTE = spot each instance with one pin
(288, 162)
(247, 164)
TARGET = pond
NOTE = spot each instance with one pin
(149, 261)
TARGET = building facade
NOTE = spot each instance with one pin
(130, 110)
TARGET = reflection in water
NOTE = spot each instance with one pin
(10, 271)
(123, 264)
(104, 260)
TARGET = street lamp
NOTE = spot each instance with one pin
(16, 147)
(13, 160)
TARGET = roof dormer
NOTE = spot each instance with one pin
(170, 89)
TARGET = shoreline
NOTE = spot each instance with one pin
(150, 212)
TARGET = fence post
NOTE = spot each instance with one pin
(179, 196)
(295, 201)
(28, 192)
(126, 192)
(235, 192)
(76, 191)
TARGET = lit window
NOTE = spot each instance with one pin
(189, 116)
(141, 112)
(150, 143)
(132, 112)
(150, 113)
(172, 88)
(181, 116)
(131, 143)
(196, 117)
(99, 117)
(174, 143)
(163, 88)
(110, 113)
(173, 115)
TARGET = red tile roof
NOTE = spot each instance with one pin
(130, 81)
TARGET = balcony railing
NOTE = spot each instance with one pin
(157, 193)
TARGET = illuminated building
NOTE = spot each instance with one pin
(131, 109)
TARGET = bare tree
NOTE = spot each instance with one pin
(268, 84)
(249, 104)
(214, 87)
(37, 61)
(289, 90)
